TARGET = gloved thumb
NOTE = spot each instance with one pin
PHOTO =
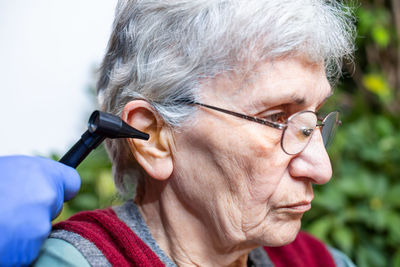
(71, 181)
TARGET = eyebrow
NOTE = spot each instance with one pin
(298, 100)
(289, 98)
(302, 100)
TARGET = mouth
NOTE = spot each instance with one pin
(298, 207)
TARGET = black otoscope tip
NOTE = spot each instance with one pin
(111, 126)
(101, 125)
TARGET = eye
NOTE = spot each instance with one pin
(279, 117)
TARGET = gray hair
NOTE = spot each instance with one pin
(160, 49)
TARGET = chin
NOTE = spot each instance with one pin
(282, 234)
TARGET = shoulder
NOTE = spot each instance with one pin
(103, 239)
(86, 234)
(57, 252)
(341, 259)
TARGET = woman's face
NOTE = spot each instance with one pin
(233, 175)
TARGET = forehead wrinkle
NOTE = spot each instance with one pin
(251, 90)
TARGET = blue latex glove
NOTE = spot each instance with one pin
(32, 192)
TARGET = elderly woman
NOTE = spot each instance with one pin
(228, 91)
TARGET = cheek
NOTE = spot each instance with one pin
(204, 162)
(269, 164)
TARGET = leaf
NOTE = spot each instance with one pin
(379, 186)
(105, 185)
(394, 226)
(353, 186)
(365, 20)
(344, 237)
(396, 259)
(321, 227)
(332, 199)
(392, 197)
(377, 84)
(378, 217)
(383, 126)
(86, 201)
(381, 36)
(369, 255)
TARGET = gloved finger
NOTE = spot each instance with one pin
(71, 182)
(63, 183)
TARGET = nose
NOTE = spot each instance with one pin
(313, 162)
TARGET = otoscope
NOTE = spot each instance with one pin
(101, 125)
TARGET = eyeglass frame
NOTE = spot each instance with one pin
(276, 125)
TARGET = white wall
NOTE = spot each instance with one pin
(48, 51)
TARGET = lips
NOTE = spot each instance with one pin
(298, 207)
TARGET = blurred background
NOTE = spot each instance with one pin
(50, 50)
(48, 57)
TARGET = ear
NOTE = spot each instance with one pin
(154, 155)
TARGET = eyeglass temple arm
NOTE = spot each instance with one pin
(243, 116)
(338, 122)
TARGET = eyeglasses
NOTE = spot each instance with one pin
(297, 130)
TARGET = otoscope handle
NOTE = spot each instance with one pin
(81, 149)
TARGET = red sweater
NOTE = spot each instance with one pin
(121, 246)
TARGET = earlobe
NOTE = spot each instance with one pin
(154, 155)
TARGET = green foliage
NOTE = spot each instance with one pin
(359, 210)
(377, 83)
(374, 24)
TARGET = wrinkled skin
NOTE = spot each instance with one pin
(231, 187)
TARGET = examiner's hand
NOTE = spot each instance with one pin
(32, 192)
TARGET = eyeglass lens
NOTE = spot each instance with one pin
(298, 132)
(329, 127)
(300, 128)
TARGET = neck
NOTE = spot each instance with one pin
(183, 236)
